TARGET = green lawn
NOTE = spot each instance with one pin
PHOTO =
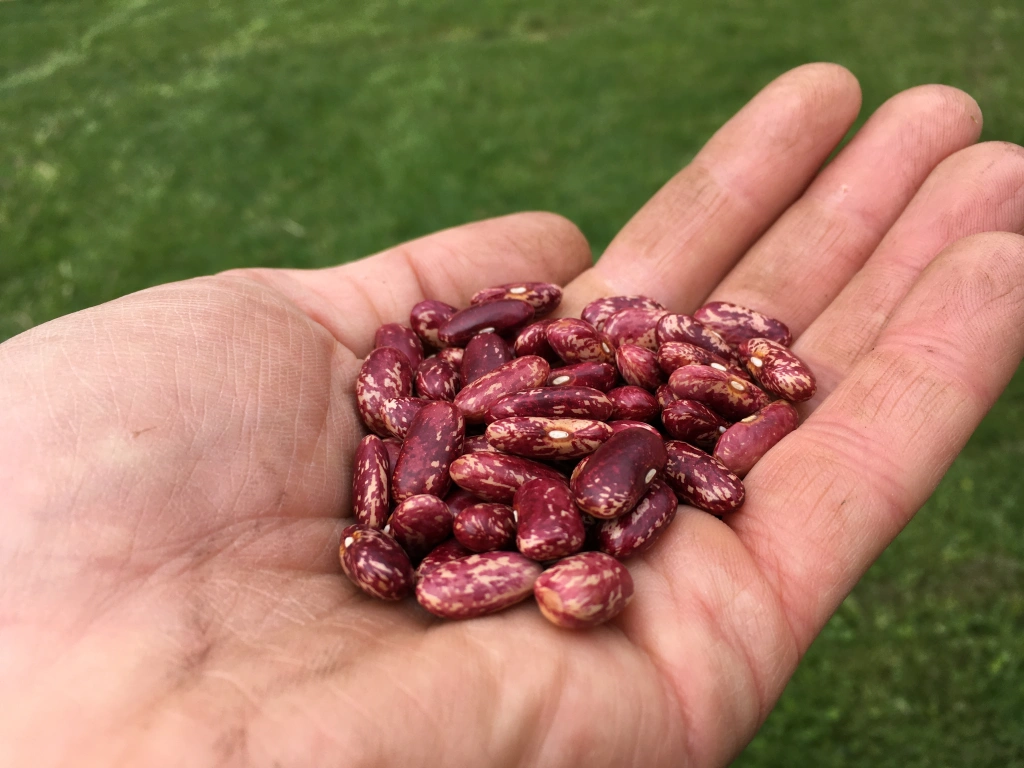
(146, 140)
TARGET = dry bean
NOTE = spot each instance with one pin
(550, 526)
(636, 531)
(376, 564)
(496, 476)
(426, 320)
(778, 370)
(477, 585)
(444, 552)
(453, 356)
(693, 422)
(484, 353)
(639, 367)
(743, 444)
(399, 413)
(371, 482)
(600, 376)
(634, 326)
(702, 480)
(433, 442)
(554, 402)
(402, 338)
(622, 424)
(619, 473)
(683, 328)
(514, 376)
(576, 341)
(543, 297)
(735, 324)
(504, 315)
(583, 590)
(485, 527)
(599, 310)
(533, 340)
(437, 380)
(384, 375)
(420, 523)
(538, 437)
(633, 403)
(728, 395)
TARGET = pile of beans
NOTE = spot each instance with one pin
(535, 455)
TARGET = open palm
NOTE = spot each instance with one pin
(174, 465)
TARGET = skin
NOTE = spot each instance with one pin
(174, 464)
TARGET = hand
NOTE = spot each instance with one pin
(175, 463)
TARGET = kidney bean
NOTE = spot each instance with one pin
(453, 356)
(550, 526)
(458, 499)
(375, 563)
(485, 527)
(384, 375)
(728, 395)
(477, 585)
(743, 444)
(426, 320)
(693, 422)
(683, 328)
(420, 523)
(619, 473)
(634, 326)
(533, 340)
(620, 425)
(599, 310)
(393, 446)
(676, 354)
(543, 297)
(778, 370)
(538, 437)
(445, 552)
(664, 395)
(639, 367)
(636, 531)
(402, 338)
(596, 375)
(576, 341)
(478, 444)
(553, 402)
(433, 442)
(633, 403)
(436, 380)
(496, 476)
(399, 412)
(701, 480)
(504, 315)
(371, 482)
(484, 353)
(583, 590)
(514, 376)
(735, 324)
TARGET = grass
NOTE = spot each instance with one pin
(143, 141)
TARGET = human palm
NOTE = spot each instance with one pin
(176, 462)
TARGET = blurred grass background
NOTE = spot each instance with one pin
(143, 141)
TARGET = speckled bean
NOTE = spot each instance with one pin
(477, 585)
(550, 526)
(504, 315)
(426, 319)
(371, 482)
(437, 380)
(543, 297)
(554, 402)
(445, 552)
(676, 354)
(693, 422)
(497, 476)
(453, 356)
(600, 376)
(665, 395)
(778, 370)
(639, 367)
(735, 324)
(393, 446)
(599, 310)
(533, 340)
(619, 425)
(728, 395)
(636, 531)
(399, 412)
(538, 437)
(485, 527)
(634, 326)
(478, 444)
(583, 590)
(683, 328)
(619, 473)
(576, 341)
(433, 442)
(484, 353)
(419, 524)
(376, 563)
(702, 480)
(402, 338)
(514, 376)
(384, 375)
(633, 403)
(458, 499)
(743, 444)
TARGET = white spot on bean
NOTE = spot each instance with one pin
(518, 290)
(757, 361)
(348, 541)
(650, 475)
(606, 348)
(486, 330)
(721, 430)
(718, 366)
(738, 386)
(560, 380)
(558, 434)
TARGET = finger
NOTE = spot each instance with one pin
(806, 258)
(826, 501)
(353, 300)
(682, 242)
(979, 189)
